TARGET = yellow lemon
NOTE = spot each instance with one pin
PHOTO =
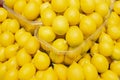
(87, 6)
(75, 72)
(109, 75)
(6, 38)
(11, 50)
(99, 59)
(41, 60)
(31, 11)
(26, 71)
(60, 25)
(22, 57)
(19, 6)
(11, 74)
(114, 66)
(50, 74)
(3, 14)
(72, 14)
(58, 68)
(2, 54)
(47, 16)
(74, 36)
(32, 45)
(46, 33)
(59, 5)
(117, 7)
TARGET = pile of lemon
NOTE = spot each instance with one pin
(66, 25)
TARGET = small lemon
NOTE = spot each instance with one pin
(47, 16)
(3, 14)
(50, 74)
(59, 5)
(32, 45)
(75, 72)
(11, 74)
(109, 75)
(87, 6)
(31, 11)
(2, 54)
(6, 38)
(46, 33)
(41, 60)
(60, 25)
(74, 36)
(117, 7)
(99, 59)
(19, 6)
(115, 67)
(22, 57)
(72, 14)
(58, 68)
(11, 50)
(26, 71)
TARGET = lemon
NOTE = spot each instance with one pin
(6, 38)
(26, 71)
(33, 78)
(97, 18)
(31, 11)
(45, 5)
(105, 48)
(19, 6)
(11, 74)
(87, 26)
(13, 26)
(22, 57)
(41, 60)
(102, 9)
(104, 37)
(39, 75)
(82, 15)
(58, 68)
(74, 36)
(67, 60)
(3, 70)
(19, 32)
(59, 44)
(87, 56)
(99, 59)
(10, 3)
(4, 24)
(32, 45)
(22, 37)
(60, 25)
(72, 14)
(59, 5)
(83, 61)
(94, 49)
(50, 74)
(117, 7)
(116, 52)
(12, 63)
(114, 66)
(3, 14)
(2, 54)
(87, 6)
(47, 16)
(11, 50)
(74, 3)
(75, 72)
(90, 72)
(39, 2)
(109, 75)
(46, 33)
(114, 19)
(114, 32)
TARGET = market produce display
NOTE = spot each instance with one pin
(60, 40)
